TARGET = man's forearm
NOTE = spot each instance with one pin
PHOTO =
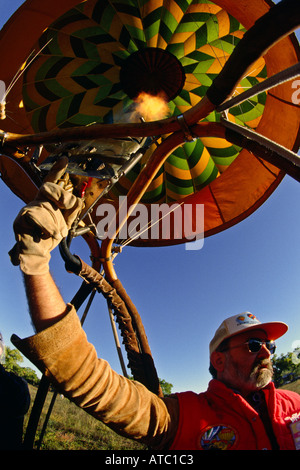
(46, 304)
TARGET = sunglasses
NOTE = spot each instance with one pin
(255, 345)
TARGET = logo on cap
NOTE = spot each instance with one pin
(247, 319)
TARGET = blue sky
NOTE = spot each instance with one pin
(182, 296)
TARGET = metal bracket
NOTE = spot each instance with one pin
(185, 128)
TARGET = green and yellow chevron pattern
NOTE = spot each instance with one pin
(75, 80)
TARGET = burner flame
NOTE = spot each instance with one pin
(150, 107)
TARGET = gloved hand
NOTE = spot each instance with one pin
(41, 225)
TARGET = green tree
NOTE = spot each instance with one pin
(12, 358)
(165, 386)
(286, 364)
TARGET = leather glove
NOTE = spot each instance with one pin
(42, 224)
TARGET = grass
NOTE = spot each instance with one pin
(70, 428)
(293, 386)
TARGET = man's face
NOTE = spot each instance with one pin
(246, 371)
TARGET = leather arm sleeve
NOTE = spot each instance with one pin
(63, 353)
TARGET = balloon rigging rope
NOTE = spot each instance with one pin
(149, 225)
(22, 69)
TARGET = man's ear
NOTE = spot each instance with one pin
(218, 360)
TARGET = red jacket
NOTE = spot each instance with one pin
(222, 419)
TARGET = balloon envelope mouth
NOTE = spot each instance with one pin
(153, 71)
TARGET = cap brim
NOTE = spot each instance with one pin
(274, 330)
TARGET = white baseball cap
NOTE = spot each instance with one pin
(245, 321)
